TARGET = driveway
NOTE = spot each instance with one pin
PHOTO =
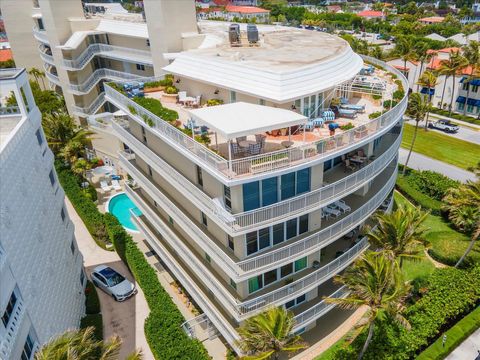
(469, 349)
(127, 318)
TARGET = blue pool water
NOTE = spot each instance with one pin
(120, 206)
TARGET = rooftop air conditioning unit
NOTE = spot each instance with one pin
(234, 34)
(252, 33)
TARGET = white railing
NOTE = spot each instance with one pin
(92, 108)
(323, 237)
(247, 221)
(306, 283)
(96, 76)
(310, 315)
(109, 51)
(9, 110)
(263, 262)
(241, 310)
(11, 331)
(200, 298)
(3, 259)
(46, 57)
(268, 162)
(52, 78)
(40, 35)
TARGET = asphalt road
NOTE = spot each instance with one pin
(464, 133)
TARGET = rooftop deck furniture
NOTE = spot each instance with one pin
(328, 115)
(182, 97)
(104, 185)
(116, 185)
(340, 204)
(245, 143)
(254, 149)
(349, 165)
(240, 139)
(236, 149)
(357, 108)
(329, 212)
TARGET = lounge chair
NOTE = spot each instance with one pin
(236, 149)
(104, 185)
(254, 149)
(182, 97)
(349, 166)
(328, 211)
(357, 108)
(116, 185)
(342, 206)
(344, 112)
(241, 138)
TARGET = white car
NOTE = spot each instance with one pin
(114, 284)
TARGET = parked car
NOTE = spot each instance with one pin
(444, 125)
(113, 283)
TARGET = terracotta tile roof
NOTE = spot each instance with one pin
(401, 68)
(245, 9)
(6, 54)
(433, 19)
(221, 2)
(370, 13)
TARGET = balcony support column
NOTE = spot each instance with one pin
(229, 144)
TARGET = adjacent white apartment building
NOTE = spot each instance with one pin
(41, 270)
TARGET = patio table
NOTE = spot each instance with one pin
(287, 144)
(246, 143)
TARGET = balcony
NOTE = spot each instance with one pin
(52, 75)
(313, 149)
(108, 51)
(13, 326)
(40, 35)
(96, 76)
(276, 295)
(362, 208)
(338, 185)
(90, 109)
(46, 54)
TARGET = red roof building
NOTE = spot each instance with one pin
(6, 54)
(245, 9)
(431, 20)
(371, 14)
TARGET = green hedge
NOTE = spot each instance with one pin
(92, 302)
(86, 208)
(96, 321)
(455, 336)
(156, 107)
(417, 197)
(163, 329)
(445, 296)
(453, 115)
(431, 183)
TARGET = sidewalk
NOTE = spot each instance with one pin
(422, 162)
(468, 349)
(127, 318)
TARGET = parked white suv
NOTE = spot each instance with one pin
(114, 284)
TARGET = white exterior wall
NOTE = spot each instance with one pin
(36, 242)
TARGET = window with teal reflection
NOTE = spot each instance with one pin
(291, 228)
(288, 185)
(251, 196)
(303, 181)
(269, 191)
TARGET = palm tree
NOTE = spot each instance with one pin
(62, 132)
(451, 67)
(269, 333)
(471, 52)
(376, 52)
(462, 205)
(417, 109)
(374, 281)
(37, 74)
(399, 233)
(405, 49)
(424, 55)
(80, 167)
(428, 80)
(81, 345)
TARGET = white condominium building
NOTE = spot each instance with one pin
(41, 270)
(266, 200)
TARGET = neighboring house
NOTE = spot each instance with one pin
(334, 8)
(436, 37)
(463, 39)
(371, 14)
(431, 20)
(470, 100)
(42, 279)
(233, 12)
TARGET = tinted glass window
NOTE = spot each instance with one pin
(288, 185)
(303, 224)
(303, 181)
(291, 228)
(278, 233)
(251, 196)
(251, 239)
(269, 191)
(286, 270)
(270, 277)
(264, 238)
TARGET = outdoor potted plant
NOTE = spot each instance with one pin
(170, 94)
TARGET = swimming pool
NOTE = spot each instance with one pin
(119, 205)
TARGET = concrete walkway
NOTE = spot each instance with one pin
(124, 319)
(467, 350)
(422, 162)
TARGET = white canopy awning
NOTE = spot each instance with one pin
(243, 119)
(77, 38)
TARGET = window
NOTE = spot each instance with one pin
(82, 278)
(199, 176)
(460, 106)
(270, 277)
(261, 102)
(303, 224)
(9, 309)
(301, 264)
(470, 108)
(291, 228)
(286, 270)
(251, 196)
(251, 241)
(40, 24)
(233, 96)
(149, 170)
(278, 233)
(295, 302)
(27, 348)
(51, 177)
(288, 185)
(255, 283)
(38, 133)
(465, 86)
(170, 220)
(233, 284)
(144, 135)
(72, 247)
(327, 165)
(227, 197)
(303, 181)
(475, 88)
(263, 238)
(269, 191)
(140, 67)
(148, 42)
(231, 243)
(208, 258)
(204, 219)
(62, 214)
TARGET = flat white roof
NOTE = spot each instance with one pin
(242, 119)
(125, 28)
(77, 38)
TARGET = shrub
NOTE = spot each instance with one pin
(84, 206)
(132, 109)
(453, 115)
(171, 90)
(163, 328)
(398, 95)
(92, 303)
(214, 102)
(158, 83)
(347, 126)
(389, 104)
(417, 197)
(432, 184)
(376, 97)
(374, 115)
(155, 107)
(451, 293)
(96, 321)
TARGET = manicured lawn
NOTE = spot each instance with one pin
(446, 244)
(442, 147)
